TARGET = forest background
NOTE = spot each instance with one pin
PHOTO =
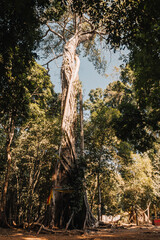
(118, 145)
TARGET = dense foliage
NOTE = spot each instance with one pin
(29, 130)
(118, 177)
(119, 165)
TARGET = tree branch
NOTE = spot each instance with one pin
(46, 33)
(64, 27)
(100, 32)
(47, 63)
(89, 22)
(56, 33)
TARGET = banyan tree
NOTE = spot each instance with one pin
(69, 200)
(64, 38)
(70, 206)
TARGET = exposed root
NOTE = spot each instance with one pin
(89, 219)
(67, 225)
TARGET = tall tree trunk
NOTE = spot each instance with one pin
(99, 198)
(70, 207)
(10, 135)
(81, 121)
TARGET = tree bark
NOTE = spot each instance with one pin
(10, 135)
(70, 207)
(137, 220)
(99, 198)
(148, 211)
(81, 121)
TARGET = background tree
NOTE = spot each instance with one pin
(101, 147)
(19, 33)
(138, 192)
(117, 164)
(34, 155)
(144, 61)
(15, 109)
(132, 125)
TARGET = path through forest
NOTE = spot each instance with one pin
(121, 233)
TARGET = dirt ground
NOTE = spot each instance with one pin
(120, 233)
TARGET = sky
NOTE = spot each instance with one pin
(88, 75)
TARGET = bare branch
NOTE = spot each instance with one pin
(46, 33)
(52, 59)
(47, 63)
(56, 33)
(64, 27)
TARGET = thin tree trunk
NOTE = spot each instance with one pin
(99, 198)
(81, 121)
(10, 135)
(34, 177)
(148, 211)
(137, 220)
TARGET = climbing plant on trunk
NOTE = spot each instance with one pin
(67, 170)
(67, 166)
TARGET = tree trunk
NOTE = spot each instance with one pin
(148, 211)
(70, 206)
(137, 220)
(81, 121)
(155, 211)
(99, 199)
(10, 134)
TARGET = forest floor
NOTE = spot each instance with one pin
(125, 232)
